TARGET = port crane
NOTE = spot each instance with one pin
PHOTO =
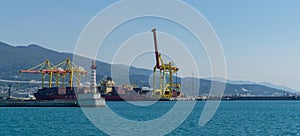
(61, 70)
(69, 68)
(166, 89)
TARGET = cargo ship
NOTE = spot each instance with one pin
(106, 88)
(55, 93)
(68, 93)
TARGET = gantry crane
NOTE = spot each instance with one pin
(61, 70)
(166, 90)
(41, 68)
(69, 68)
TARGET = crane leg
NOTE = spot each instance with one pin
(43, 80)
(154, 84)
(50, 79)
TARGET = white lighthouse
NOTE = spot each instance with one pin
(93, 77)
(92, 99)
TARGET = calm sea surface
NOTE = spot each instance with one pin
(232, 118)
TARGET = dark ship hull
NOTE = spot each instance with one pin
(55, 93)
(68, 93)
(132, 98)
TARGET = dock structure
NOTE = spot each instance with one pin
(34, 103)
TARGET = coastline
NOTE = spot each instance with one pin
(74, 103)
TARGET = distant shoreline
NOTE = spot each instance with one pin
(74, 103)
(260, 98)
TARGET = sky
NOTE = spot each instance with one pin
(260, 38)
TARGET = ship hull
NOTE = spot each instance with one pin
(55, 93)
(132, 98)
(68, 93)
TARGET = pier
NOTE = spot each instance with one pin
(34, 103)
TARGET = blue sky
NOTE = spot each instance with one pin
(260, 38)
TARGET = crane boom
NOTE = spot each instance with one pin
(156, 49)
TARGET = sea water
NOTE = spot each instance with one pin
(231, 118)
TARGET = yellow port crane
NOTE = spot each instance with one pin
(69, 68)
(61, 70)
(166, 90)
(41, 69)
